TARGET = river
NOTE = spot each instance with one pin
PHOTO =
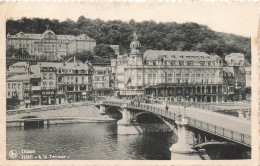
(89, 141)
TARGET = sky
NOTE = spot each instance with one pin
(235, 18)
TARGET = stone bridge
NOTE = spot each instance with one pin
(195, 127)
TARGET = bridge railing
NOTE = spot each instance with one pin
(220, 131)
(155, 110)
(214, 129)
(200, 105)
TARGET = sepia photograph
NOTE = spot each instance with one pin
(121, 83)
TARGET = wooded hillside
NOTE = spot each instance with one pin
(152, 35)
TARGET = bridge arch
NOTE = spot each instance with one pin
(170, 123)
(114, 112)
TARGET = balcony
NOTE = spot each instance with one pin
(26, 89)
(36, 87)
(48, 88)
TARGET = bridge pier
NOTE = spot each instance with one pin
(124, 126)
(102, 110)
(182, 147)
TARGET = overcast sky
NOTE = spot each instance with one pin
(236, 18)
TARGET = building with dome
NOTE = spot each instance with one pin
(177, 75)
(49, 45)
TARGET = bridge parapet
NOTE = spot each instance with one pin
(211, 128)
(240, 138)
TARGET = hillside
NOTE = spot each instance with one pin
(152, 35)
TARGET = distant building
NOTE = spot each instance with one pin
(102, 80)
(177, 75)
(118, 75)
(74, 81)
(236, 61)
(50, 83)
(115, 48)
(18, 90)
(248, 83)
(229, 81)
(19, 68)
(49, 45)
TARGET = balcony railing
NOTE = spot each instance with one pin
(36, 87)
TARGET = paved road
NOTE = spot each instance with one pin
(222, 120)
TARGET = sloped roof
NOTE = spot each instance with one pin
(177, 55)
(19, 78)
(100, 67)
(49, 64)
(20, 64)
(40, 36)
(17, 70)
(228, 69)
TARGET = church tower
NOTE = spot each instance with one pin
(135, 56)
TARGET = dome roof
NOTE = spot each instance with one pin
(48, 32)
(135, 43)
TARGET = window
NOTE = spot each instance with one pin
(181, 63)
(50, 76)
(18, 85)
(82, 80)
(202, 63)
(26, 94)
(190, 63)
(8, 93)
(8, 85)
(44, 75)
(50, 84)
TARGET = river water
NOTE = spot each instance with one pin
(89, 141)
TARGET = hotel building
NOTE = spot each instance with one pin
(49, 45)
(178, 75)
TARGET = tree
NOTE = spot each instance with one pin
(152, 35)
(11, 51)
(104, 51)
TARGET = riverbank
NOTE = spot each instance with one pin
(71, 113)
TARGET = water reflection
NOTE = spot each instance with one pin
(91, 141)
